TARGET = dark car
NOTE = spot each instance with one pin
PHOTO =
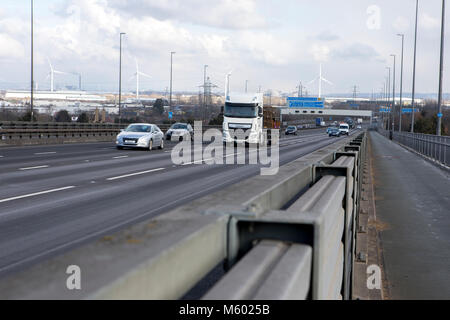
(334, 132)
(291, 130)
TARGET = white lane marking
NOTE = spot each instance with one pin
(33, 168)
(120, 157)
(36, 194)
(204, 160)
(43, 153)
(198, 161)
(232, 155)
(1, 157)
(135, 174)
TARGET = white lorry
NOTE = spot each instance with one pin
(246, 112)
(243, 112)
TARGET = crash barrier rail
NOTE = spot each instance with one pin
(29, 132)
(431, 146)
(12, 133)
(287, 236)
(304, 250)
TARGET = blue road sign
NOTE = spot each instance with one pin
(353, 105)
(305, 102)
(385, 110)
(408, 110)
(440, 115)
(170, 115)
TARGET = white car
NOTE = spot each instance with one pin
(344, 128)
(140, 135)
(180, 131)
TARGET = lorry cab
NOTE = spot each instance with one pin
(243, 112)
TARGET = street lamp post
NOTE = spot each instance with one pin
(32, 62)
(401, 85)
(441, 72)
(246, 86)
(171, 77)
(384, 98)
(413, 104)
(205, 91)
(120, 79)
(388, 90)
(204, 83)
(227, 85)
(393, 96)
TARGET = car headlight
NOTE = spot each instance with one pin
(142, 140)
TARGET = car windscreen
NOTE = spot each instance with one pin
(179, 126)
(344, 126)
(241, 110)
(291, 128)
(139, 128)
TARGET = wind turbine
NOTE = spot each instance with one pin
(52, 75)
(137, 75)
(320, 79)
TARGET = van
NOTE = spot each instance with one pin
(344, 128)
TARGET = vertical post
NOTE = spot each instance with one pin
(401, 86)
(413, 104)
(441, 71)
(32, 62)
(227, 86)
(205, 91)
(171, 78)
(120, 79)
(246, 86)
(389, 99)
(393, 97)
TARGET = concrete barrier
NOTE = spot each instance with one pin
(299, 224)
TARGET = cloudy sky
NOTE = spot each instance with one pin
(273, 44)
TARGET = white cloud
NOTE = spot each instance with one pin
(401, 24)
(231, 14)
(358, 51)
(428, 22)
(83, 36)
(320, 52)
(10, 48)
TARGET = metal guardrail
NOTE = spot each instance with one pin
(34, 132)
(289, 236)
(431, 146)
(22, 125)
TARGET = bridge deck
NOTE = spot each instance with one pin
(413, 213)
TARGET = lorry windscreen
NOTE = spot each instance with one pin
(241, 110)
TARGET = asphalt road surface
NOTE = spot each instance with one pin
(53, 198)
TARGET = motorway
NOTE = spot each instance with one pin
(53, 198)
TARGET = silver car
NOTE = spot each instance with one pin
(140, 135)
